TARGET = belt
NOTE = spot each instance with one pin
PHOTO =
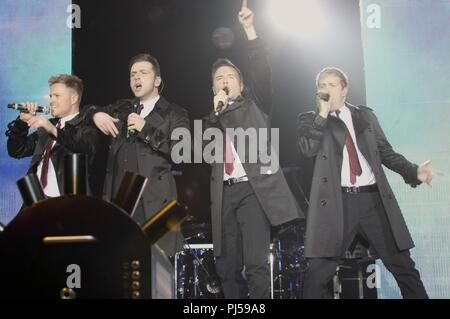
(360, 189)
(232, 181)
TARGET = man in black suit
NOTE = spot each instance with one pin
(141, 142)
(64, 134)
(247, 198)
(350, 193)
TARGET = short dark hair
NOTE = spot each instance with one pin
(148, 58)
(334, 71)
(71, 81)
(225, 62)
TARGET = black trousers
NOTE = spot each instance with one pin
(364, 213)
(245, 243)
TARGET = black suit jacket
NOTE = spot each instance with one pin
(253, 112)
(77, 136)
(154, 146)
(323, 140)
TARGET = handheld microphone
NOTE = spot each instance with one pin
(323, 96)
(22, 108)
(131, 131)
(221, 104)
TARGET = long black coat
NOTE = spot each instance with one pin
(271, 188)
(323, 139)
(153, 148)
(76, 137)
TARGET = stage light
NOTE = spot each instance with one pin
(303, 19)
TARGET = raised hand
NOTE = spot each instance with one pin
(245, 17)
(106, 124)
(425, 173)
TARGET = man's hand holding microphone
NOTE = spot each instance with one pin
(221, 100)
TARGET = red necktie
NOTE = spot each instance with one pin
(228, 156)
(46, 159)
(140, 108)
(355, 167)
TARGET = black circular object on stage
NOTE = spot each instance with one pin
(74, 246)
(31, 190)
(75, 174)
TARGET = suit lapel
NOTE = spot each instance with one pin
(158, 115)
(237, 104)
(360, 124)
(75, 121)
(47, 138)
(338, 130)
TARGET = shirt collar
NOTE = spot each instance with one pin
(343, 110)
(151, 103)
(67, 118)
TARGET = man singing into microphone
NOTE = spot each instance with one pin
(245, 203)
(140, 131)
(65, 134)
(350, 193)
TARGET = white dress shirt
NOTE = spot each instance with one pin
(149, 106)
(238, 170)
(52, 189)
(367, 177)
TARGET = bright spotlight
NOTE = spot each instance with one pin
(300, 18)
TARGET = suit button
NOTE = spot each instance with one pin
(212, 178)
(323, 202)
(390, 196)
(159, 177)
(324, 157)
(325, 179)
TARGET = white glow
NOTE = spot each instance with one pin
(302, 19)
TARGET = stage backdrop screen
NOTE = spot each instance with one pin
(407, 70)
(35, 43)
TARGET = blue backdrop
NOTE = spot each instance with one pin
(35, 44)
(407, 70)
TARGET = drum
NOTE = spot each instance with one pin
(196, 276)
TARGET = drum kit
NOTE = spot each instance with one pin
(196, 277)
